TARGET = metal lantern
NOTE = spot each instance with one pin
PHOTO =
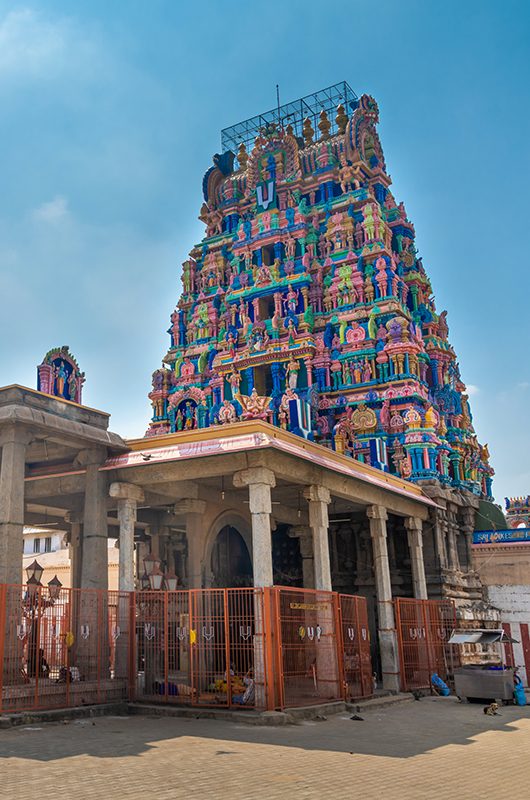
(156, 577)
(54, 588)
(171, 581)
(149, 563)
(144, 581)
(34, 571)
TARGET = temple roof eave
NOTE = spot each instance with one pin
(254, 435)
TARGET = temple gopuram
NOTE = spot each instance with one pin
(307, 305)
(517, 511)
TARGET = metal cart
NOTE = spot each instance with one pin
(486, 681)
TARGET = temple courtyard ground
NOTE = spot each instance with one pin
(436, 748)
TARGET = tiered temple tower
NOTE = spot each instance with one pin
(517, 511)
(306, 303)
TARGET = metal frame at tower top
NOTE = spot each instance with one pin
(294, 114)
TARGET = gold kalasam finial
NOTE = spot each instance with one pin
(308, 132)
(341, 119)
(242, 156)
(324, 125)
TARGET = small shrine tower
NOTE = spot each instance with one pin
(306, 303)
(59, 375)
(518, 511)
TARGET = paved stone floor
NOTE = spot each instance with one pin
(435, 748)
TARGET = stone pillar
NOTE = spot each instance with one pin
(452, 530)
(386, 621)
(193, 510)
(13, 441)
(415, 539)
(74, 549)
(318, 498)
(94, 544)
(303, 534)
(259, 480)
(468, 527)
(128, 496)
(440, 524)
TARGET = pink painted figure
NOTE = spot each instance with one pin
(291, 299)
(385, 415)
(187, 369)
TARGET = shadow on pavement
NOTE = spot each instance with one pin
(401, 731)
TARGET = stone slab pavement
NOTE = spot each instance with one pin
(435, 748)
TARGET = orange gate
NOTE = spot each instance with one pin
(63, 648)
(201, 647)
(322, 647)
(424, 628)
(356, 655)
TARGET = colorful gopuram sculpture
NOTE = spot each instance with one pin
(59, 375)
(306, 305)
(518, 511)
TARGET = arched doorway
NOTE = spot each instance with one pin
(230, 561)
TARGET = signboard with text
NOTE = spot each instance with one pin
(508, 536)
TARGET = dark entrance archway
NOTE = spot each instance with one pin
(231, 563)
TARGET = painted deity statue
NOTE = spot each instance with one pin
(291, 372)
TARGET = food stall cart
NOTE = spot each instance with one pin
(490, 681)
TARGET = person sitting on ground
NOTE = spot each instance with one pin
(247, 698)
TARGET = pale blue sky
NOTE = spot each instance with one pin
(110, 113)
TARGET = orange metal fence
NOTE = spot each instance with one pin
(322, 647)
(357, 659)
(307, 647)
(66, 650)
(202, 647)
(424, 628)
(251, 648)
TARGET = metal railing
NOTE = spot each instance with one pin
(248, 648)
(201, 647)
(69, 650)
(423, 629)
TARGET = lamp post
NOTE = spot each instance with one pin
(35, 604)
(158, 618)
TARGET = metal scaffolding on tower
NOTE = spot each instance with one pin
(293, 113)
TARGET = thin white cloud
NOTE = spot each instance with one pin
(35, 47)
(472, 389)
(29, 44)
(53, 211)
(523, 385)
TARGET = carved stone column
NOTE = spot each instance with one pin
(468, 527)
(74, 547)
(318, 498)
(440, 534)
(94, 544)
(13, 441)
(259, 480)
(452, 543)
(386, 621)
(304, 535)
(128, 496)
(414, 528)
(193, 509)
